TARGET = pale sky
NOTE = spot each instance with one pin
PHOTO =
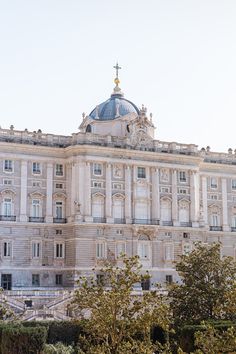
(178, 58)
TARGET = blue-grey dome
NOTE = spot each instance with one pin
(114, 107)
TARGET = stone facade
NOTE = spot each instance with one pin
(68, 202)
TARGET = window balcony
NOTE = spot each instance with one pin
(167, 223)
(146, 221)
(186, 224)
(59, 220)
(233, 229)
(99, 220)
(36, 219)
(119, 221)
(7, 218)
(216, 228)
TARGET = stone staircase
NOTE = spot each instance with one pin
(44, 304)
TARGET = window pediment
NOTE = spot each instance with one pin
(36, 194)
(8, 191)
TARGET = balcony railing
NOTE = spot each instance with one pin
(233, 229)
(216, 228)
(7, 218)
(167, 223)
(99, 220)
(186, 224)
(36, 219)
(119, 221)
(59, 220)
(146, 221)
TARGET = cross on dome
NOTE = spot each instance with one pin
(117, 67)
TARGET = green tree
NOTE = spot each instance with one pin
(117, 319)
(6, 312)
(207, 282)
(212, 340)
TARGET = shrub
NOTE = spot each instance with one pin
(58, 348)
(23, 340)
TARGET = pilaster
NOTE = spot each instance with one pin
(128, 208)
(174, 199)
(204, 199)
(155, 194)
(109, 218)
(49, 212)
(224, 205)
(87, 194)
(23, 192)
(194, 198)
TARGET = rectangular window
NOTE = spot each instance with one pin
(59, 186)
(35, 280)
(186, 235)
(58, 279)
(182, 176)
(36, 184)
(141, 172)
(234, 221)
(36, 168)
(59, 169)
(213, 197)
(97, 184)
(117, 186)
(143, 250)
(97, 169)
(58, 232)
(35, 208)
(7, 182)
(7, 249)
(169, 252)
(59, 210)
(120, 248)
(234, 184)
(213, 182)
(100, 250)
(59, 250)
(169, 279)
(8, 165)
(165, 190)
(35, 250)
(119, 232)
(214, 220)
(182, 191)
(7, 207)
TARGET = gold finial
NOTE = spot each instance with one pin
(117, 67)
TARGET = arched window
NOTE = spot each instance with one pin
(118, 207)
(36, 207)
(7, 198)
(59, 200)
(166, 210)
(214, 217)
(88, 129)
(183, 211)
(98, 205)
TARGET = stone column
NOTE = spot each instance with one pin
(225, 205)
(80, 179)
(87, 194)
(155, 195)
(73, 194)
(23, 192)
(204, 199)
(49, 213)
(174, 199)
(194, 198)
(108, 213)
(128, 208)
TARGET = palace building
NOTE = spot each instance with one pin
(69, 202)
